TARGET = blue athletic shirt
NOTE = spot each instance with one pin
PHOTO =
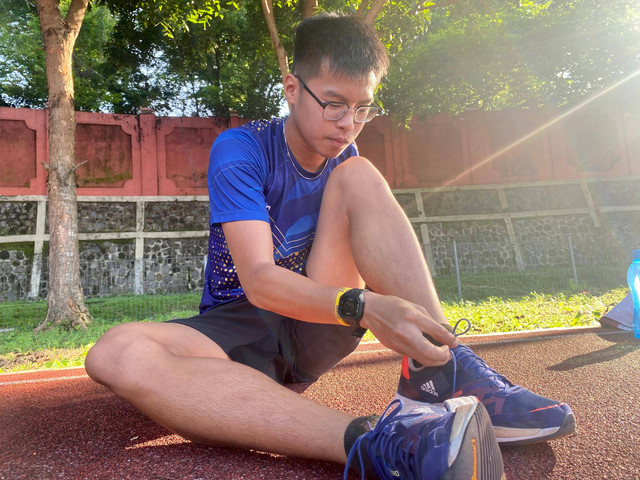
(253, 176)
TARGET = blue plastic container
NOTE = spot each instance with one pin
(633, 279)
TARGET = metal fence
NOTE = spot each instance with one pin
(560, 264)
(145, 289)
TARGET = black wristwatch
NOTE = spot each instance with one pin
(351, 308)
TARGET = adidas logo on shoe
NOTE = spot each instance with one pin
(429, 387)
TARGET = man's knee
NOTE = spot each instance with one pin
(356, 164)
(357, 172)
(108, 359)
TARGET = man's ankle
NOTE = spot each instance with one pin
(358, 427)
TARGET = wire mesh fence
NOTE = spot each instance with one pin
(146, 289)
(113, 289)
(506, 256)
(474, 271)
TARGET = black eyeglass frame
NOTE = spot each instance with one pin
(379, 110)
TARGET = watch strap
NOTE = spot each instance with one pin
(340, 320)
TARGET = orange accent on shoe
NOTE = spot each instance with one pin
(474, 476)
(546, 408)
(405, 367)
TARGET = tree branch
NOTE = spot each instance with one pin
(49, 15)
(309, 8)
(362, 9)
(267, 9)
(373, 11)
(75, 15)
(77, 166)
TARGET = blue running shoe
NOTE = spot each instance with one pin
(518, 415)
(450, 441)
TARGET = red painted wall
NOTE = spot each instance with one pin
(149, 155)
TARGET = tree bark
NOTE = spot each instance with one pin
(309, 8)
(267, 9)
(370, 10)
(66, 306)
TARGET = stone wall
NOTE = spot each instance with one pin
(159, 244)
(15, 273)
(127, 245)
(526, 226)
(17, 218)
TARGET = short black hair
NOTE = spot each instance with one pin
(345, 45)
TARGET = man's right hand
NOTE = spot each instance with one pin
(399, 325)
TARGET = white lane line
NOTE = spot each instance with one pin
(381, 350)
(73, 377)
(38, 380)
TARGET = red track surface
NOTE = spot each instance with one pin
(59, 424)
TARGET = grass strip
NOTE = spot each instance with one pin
(21, 349)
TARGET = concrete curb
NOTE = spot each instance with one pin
(527, 335)
(520, 336)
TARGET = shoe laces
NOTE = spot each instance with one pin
(479, 367)
(383, 442)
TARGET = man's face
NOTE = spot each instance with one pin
(328, 138)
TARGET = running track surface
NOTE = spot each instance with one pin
(61, 425)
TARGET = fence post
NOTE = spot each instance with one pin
(36, 266)
(573, 262)
(36, 274)
(138, 276)
(455, 258)
(139, 263)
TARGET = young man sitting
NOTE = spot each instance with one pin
(299, 224)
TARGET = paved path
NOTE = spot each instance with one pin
(59, 424)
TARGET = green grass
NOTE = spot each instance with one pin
(531, 312)
(21, 348)
(534, 311)
(28, 315)
(56, 348)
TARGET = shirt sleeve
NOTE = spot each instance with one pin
(236, 178)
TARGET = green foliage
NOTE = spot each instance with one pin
(229, 65)
(23, 81)
(213, 57)
(494, 54)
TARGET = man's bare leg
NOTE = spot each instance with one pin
(386, 253)
(184, 381)
(362, 231)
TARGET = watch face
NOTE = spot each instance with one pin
(350, 307)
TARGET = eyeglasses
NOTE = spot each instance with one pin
(337, 110)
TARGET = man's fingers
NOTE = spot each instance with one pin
(431, 355)
(440, 334)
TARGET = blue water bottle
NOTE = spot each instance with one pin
(633, 279)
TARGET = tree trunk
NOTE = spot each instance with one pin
(309, 8)
(66, 305)
(267, 9)
(370, 10)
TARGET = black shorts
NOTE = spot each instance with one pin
(285, 349)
